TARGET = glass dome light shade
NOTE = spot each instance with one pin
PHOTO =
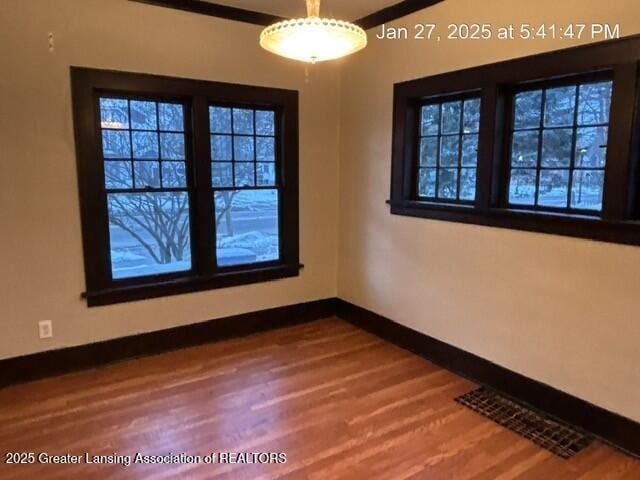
(313, 39)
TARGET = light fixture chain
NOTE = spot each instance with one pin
(313, 8)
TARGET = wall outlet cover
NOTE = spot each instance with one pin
(45, 328)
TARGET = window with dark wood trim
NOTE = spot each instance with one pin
(557, 148)
(245, 184)
(185, 185)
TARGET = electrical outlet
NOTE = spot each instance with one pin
(45, 328)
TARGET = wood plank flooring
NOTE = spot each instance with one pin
(341, 403)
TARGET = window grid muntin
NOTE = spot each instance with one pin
(439, 136)
(276, 137)
(541, 128)
(131, 160)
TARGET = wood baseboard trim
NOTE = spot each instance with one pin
(57, 362)
(616, 430)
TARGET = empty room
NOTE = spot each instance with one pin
(304, 239)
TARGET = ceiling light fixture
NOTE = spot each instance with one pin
(313, 39)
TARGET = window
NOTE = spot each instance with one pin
(449, 150)
(559, 147)
(185, 185)
(547, 143)
(143, 148)
(243, 169)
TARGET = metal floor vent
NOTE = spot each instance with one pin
(558, 438)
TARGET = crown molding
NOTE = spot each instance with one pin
(372, 20)
(216, 10)
(394, 12)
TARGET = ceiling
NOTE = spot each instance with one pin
(345, 9)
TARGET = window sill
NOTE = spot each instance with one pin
(189, 285)
(579, 226)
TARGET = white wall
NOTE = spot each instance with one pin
(560, 310)
(40, 246)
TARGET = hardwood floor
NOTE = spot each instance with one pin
(339, 402)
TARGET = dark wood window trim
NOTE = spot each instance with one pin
(619, 222)
(196, 96)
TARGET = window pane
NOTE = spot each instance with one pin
(587, 189)
(522, 187)
(243, 148)
(138, 235)
(114, 113)
(594, 103)
(471, 115)
(449, 151)
(116, 144)
(428, 151)
(528, 109)
(171, 117)
(559, 106)
(174, 175)
(470, 150)
(448, 183)
(266, 149)
(147, 174)
(562, 171)
(242, 121)
(222, 174)
(145, 144)
(172, 146)
(221, 148)
(265, 122)
(244, 175)
(525, 149)
(430, 119)
(591, 147)
(266, 173)
(117, 175)
(427, 182)
(556, 147)
(444, 150)
(451, 117)
(220, 119)
(468, 184)
(553, 188)
(143, 115)
(246, 226)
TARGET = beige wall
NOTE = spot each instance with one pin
(561, 310)
(40, 246)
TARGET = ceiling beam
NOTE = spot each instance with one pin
(374, 19)
(394, 12)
